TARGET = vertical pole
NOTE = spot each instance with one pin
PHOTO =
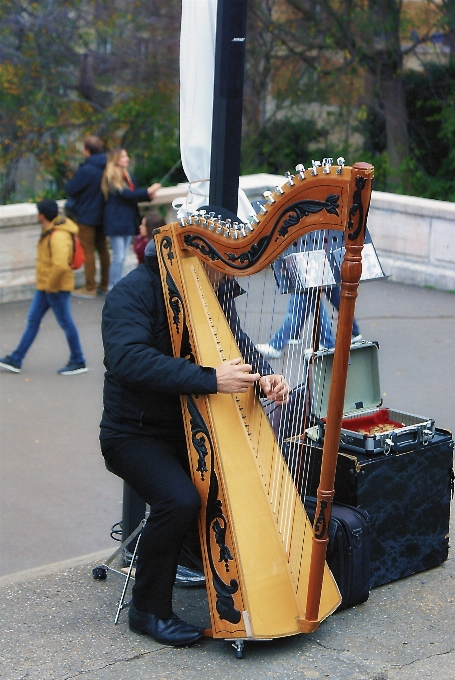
(228, 103)
(351, 270)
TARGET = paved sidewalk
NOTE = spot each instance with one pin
(58, 625)
(58, 502)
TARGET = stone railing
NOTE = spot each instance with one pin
(414, 237)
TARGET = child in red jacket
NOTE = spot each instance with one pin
(150, 222)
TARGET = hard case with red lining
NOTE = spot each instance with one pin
(367, 427)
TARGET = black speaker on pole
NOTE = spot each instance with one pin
(228, 103)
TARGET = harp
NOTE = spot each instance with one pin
(264, 562)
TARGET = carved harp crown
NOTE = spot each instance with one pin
(264, 563)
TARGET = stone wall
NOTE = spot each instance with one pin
(414, 238)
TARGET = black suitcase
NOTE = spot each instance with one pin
(348, 551)
(407, 498)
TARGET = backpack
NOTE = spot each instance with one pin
(78, 253)
(78, 258)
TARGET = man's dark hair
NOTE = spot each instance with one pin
(48, 208)
(93, 144)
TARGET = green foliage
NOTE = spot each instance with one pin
(66, 70)
(430, 166)
(279, 145)
(149, 122)
(431, 109)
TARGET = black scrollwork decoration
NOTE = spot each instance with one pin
(225, 602)
(320, 525)
(199, 436)
(219, 529)
(288, 218)
(176, 301)
(215, 519)
(166, 244)
(357, 208)
(309, 207)
(216, 522)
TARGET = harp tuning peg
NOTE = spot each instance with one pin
(220, 226)
(316, 165)
(340, 162)
(263, 209)
(289, 179)
(300, 170)
(235, 230)
(269, 196)
(327, 163)
(279, 190)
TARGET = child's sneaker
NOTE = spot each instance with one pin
(72, 368)
(9, 364)
(269, 352)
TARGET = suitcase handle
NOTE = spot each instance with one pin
(396, 446)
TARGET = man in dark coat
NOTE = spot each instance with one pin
(142, 436)
(86, 202)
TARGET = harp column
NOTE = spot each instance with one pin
(228, 103)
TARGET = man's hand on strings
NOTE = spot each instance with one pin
(275, 388)
(233, 376)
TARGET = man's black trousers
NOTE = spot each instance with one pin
(157, 470)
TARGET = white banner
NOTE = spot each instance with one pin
(197, 65)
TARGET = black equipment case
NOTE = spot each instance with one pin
(348, 551)
(406, 495)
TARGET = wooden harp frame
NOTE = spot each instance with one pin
(264, 563)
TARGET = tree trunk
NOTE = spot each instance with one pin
(9, 186)
(393, 100)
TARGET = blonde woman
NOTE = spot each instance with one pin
(121, 215)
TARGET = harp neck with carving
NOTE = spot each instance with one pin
(264, 563)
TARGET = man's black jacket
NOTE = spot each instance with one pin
(85, 189)
(143, 380)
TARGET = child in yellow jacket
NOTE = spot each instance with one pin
(54, 283)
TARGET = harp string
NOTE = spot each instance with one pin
(297, 367)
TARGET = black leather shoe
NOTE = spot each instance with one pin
(172, 631)
(187, 577)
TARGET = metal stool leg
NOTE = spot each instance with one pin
(121, 604)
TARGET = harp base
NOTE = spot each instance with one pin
(308, 626)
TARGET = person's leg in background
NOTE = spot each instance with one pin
(105, 259)
(60, 303)
(119, 245)
(325, 334)
(87, 239)
(291, 327)
(333, 296)
(37, 310)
